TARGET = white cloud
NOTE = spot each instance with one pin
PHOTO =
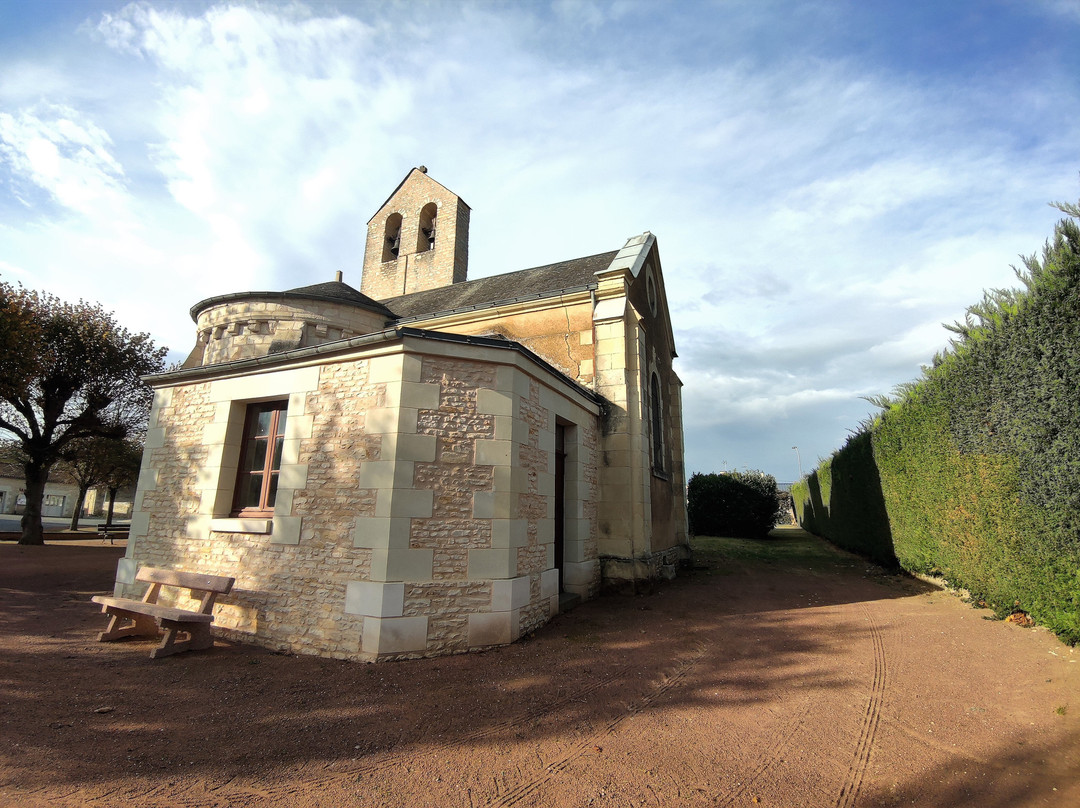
(868, 192)
(818, 216)
(1067, 10)
(65, 155)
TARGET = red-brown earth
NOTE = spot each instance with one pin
(779, 673)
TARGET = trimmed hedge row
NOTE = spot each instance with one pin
(851, 477)
(973, 472)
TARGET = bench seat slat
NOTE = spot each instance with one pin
(152, 610)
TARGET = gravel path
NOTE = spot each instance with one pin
(785, 674)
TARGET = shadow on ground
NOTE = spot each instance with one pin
(755, 622)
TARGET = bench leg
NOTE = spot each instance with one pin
(198, 638)
(137, 626)
(201, 637)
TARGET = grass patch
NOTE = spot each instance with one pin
(790, 550)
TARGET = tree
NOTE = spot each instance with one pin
(98, 461)
(84, 462)
(68, 371)
(125, 462)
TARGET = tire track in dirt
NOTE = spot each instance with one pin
(667, 683)
(768, 759)
(531, 714)
(849, 792)
(273, 793)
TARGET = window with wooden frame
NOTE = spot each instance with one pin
(260, 459)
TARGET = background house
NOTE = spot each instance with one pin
(61, 494)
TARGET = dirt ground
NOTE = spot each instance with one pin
(786, 675)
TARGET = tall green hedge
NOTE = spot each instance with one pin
(973, 472)
(842, 499)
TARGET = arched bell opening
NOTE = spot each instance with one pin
(425, 234)
(392, 237)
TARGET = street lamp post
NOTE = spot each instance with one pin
(799, 458)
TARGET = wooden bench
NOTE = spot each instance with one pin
(112, 532)
(147, 618)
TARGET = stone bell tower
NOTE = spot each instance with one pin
(418, 240)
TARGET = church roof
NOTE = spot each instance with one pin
(336, 290)
(527, 284)
(330, 291)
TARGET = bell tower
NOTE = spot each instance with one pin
(418, 240)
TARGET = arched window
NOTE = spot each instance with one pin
(425, 235)
(657, 422)
(392, 237)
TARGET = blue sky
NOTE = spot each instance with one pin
(828, 181)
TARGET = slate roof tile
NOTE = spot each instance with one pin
(537, 282)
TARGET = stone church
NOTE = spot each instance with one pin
(430, 464)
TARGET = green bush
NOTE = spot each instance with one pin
(744, 505)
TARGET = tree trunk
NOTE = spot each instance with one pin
(36, 477)
(112, 501)
(79, 506)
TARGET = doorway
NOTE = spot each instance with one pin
(53, 505)
(560, 501)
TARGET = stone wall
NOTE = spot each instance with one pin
(614, 341)
(643, 527)
(560, 331)
(414, 512)
(287, 596)
(242, 329)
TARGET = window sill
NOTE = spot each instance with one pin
(661, 475)
(242, 525)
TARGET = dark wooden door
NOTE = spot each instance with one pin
(560, 498)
